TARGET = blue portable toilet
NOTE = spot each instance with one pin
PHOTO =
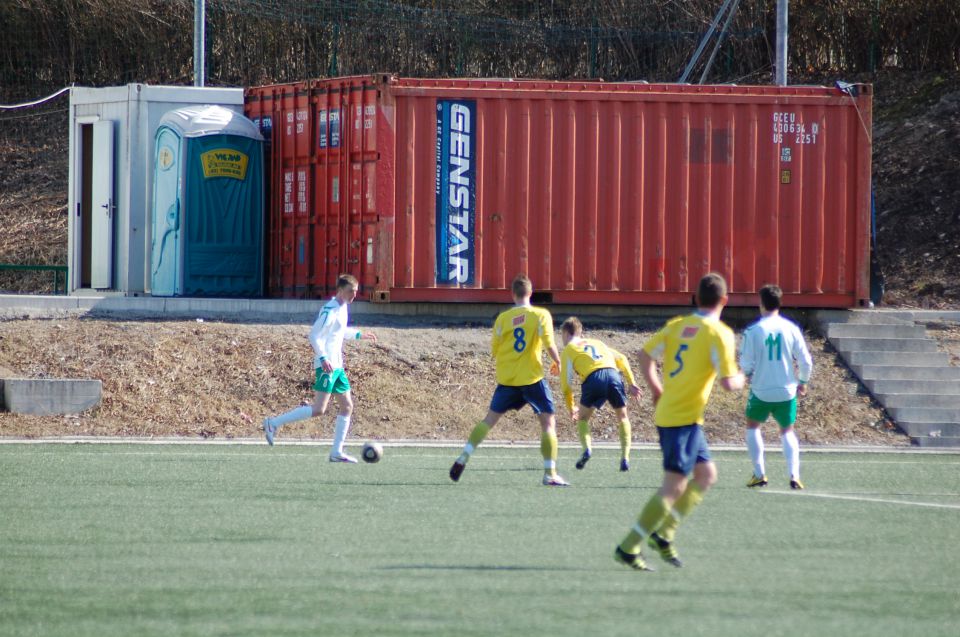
(208, 209)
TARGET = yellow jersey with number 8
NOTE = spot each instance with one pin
(695, 349)
(520, 335)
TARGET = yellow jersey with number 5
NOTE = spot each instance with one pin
(520, 335)
(695, 350)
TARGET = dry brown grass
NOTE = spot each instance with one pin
(210, 379)
(33, 203)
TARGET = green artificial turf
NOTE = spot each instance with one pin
(142, 540)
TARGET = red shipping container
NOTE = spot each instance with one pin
(603, 193)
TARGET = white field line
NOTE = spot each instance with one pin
(857, 498)
(807, 452)
(898, 459)
(266, 453)
(411, 444)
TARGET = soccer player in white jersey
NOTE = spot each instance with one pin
(326, 337)
(775, 358)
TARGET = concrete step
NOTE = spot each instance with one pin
(913, 429)
(846, 345)
(936, 441)
(908, 359)
(925, 414)
(902, 386)
(893, 358)
(868, 330)
(863, 317)
(50, 396)
(935, 401)
(904, 372)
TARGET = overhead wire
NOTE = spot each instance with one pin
(36, 102)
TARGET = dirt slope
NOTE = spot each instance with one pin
(208, 379)
(916, 176)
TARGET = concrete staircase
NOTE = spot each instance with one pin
(902, 368)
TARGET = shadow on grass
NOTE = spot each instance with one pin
(472, 567)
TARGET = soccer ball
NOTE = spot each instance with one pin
(372, 452)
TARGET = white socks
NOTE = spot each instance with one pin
(340, 434)
(755, 447)
(468, 450)
(791, 453)
(300, 413)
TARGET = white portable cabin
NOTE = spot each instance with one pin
(110, 183)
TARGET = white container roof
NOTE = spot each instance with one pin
(198, 121)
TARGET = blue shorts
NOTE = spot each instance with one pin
(537, 395)
(601, 386)
(683, 447)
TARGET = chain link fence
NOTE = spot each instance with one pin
(55, 43)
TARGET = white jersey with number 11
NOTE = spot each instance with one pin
(775, 358)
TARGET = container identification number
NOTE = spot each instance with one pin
(789, 128)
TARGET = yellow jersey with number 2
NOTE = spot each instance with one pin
(583, 356)
(520, 335)
(695, 349)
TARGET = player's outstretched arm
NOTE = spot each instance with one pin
(731, 378)
(648, 369)
(566, 380)
(733, 383)
(801, 355)
(555, 358)
(321, 339)
(624, 366)
(747, 356)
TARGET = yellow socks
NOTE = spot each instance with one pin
(583, 431)
(548, 447)
(479, 432)
(683, 507)
(650, 520)
(626, 438)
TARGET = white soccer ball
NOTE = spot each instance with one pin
(372, 452)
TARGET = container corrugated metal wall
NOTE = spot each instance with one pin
(443, 190)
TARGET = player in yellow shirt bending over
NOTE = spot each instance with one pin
(599, 369)
(520, 335)
(696, 349)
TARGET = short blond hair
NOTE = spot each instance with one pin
(572, 326)
(521, 286)
(345, 280)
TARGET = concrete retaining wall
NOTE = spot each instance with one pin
(46, 397)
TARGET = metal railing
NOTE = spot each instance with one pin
(56, 269)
